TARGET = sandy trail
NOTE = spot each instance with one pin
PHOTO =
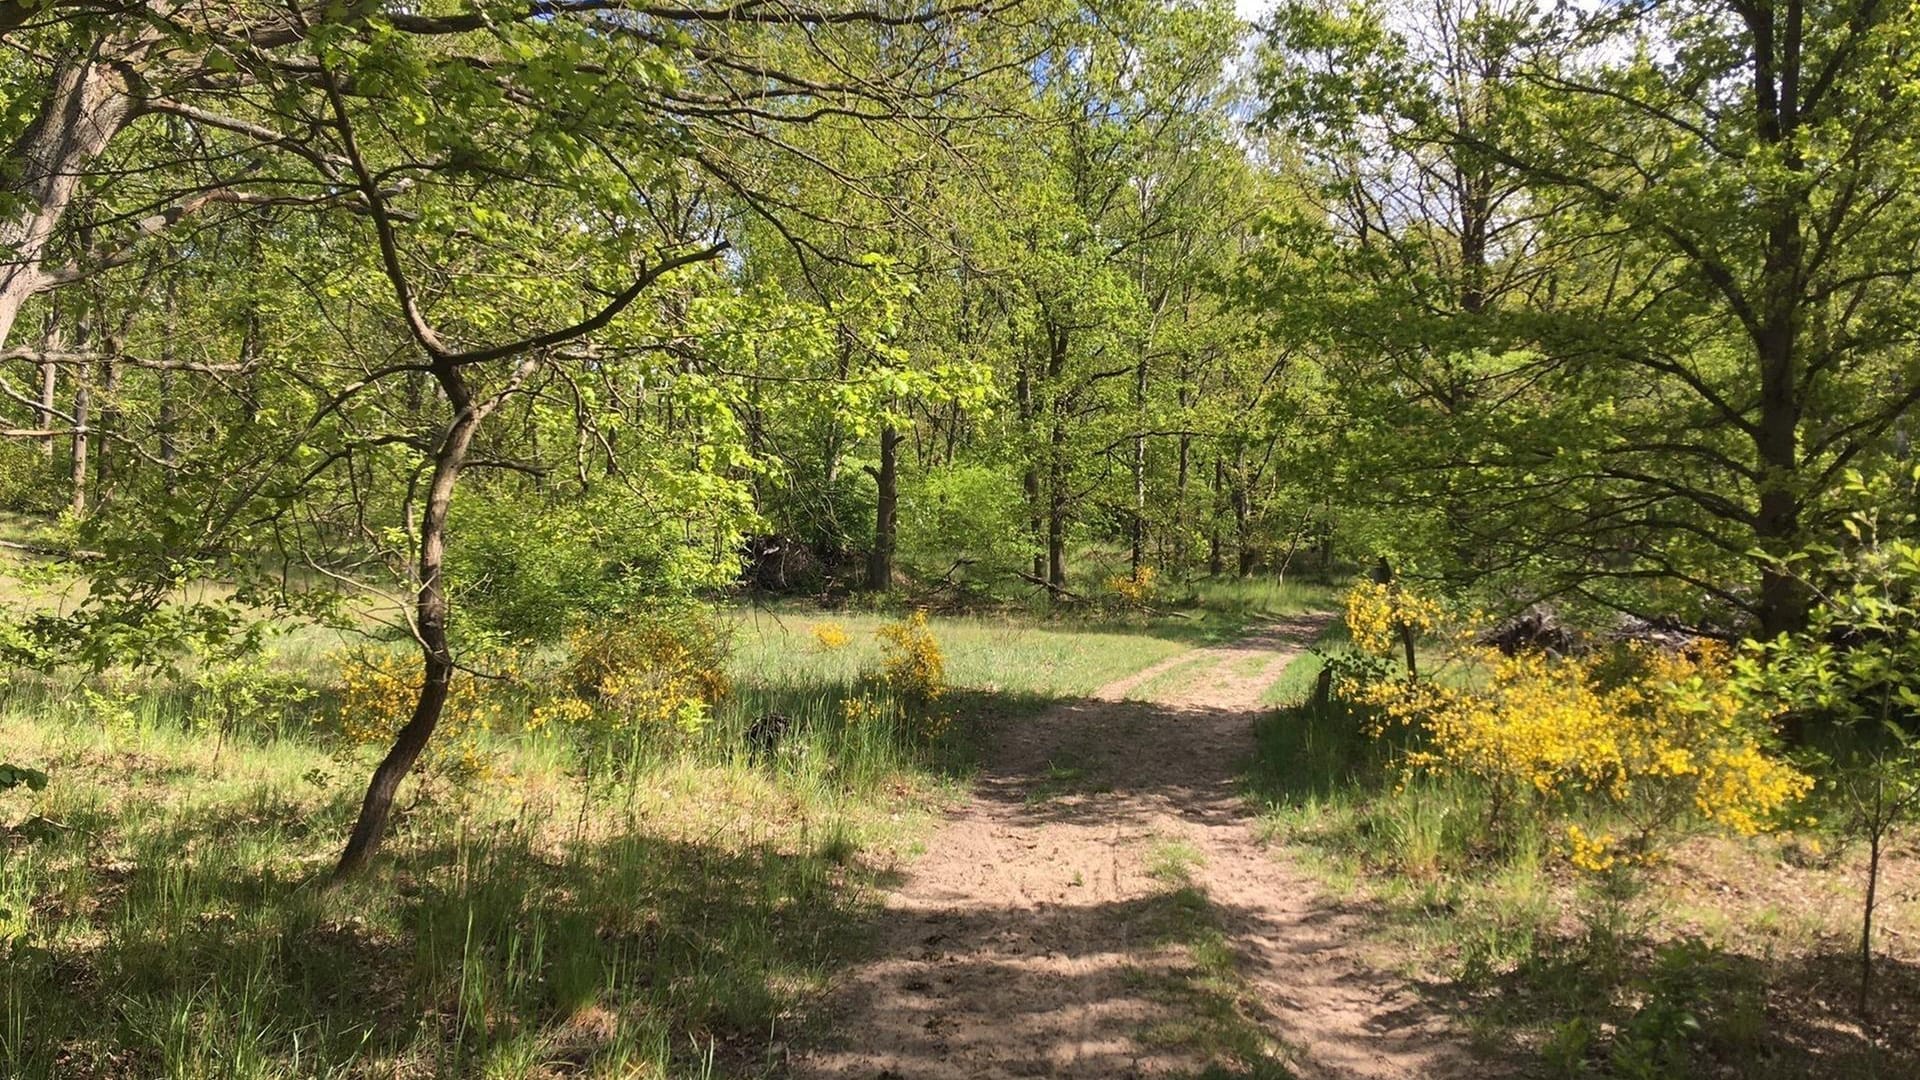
(1031, 938)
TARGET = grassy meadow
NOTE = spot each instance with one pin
(546, 904)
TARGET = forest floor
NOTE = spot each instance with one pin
(1102, 906)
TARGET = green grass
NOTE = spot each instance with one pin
(1006, 655)
(669, 906)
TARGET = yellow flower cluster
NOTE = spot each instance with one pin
(1136, 588)
(911, 661)
(379, 690)
(1594, 854)
(830, 636)
(1376, 613)
(1657, 733)
(648, 674)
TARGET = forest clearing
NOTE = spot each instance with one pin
(994, 538)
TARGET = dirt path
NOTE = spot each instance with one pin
(1101, 907)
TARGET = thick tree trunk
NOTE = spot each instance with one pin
(885, 518)
(1782, 606)
(431, 624)
(85, 107)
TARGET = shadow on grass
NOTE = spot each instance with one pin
(466, 955)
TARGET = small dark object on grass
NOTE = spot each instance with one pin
(766, 733)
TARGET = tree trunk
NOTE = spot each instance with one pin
(1782, 604)
(1139, 537)
(109, 423)
(1866, 919)
(82, 405)
(49, 388)
(85, 107)
(77, 470)
(166, 420)
(1058, 339)
(1057, 504)
(1216, 561)
(1242, 523)
(436, 655)
(1030, 475)
(885, 517)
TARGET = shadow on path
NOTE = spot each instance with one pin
(1101, 908)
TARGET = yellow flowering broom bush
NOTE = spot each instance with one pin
(1135, 589)
(912, 678)
(1378, 615)
(379, 688)
(649, 674)
(830, 636)
(911, 661)
(1658, 735)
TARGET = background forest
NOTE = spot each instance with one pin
(606, 450)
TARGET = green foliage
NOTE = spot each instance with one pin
(531, 570)
(13, 776)
(971, 511)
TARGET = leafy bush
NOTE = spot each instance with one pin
(535, 576)
(911, 661)
(243, 693)
(27, 479)
(975, 511)
(13, 776)
(379, 689)
(1655, 736)
(1854, 673)
(663, 672)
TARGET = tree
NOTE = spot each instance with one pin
(437, 182)
(1698, 257)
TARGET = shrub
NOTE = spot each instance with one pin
(1855, 672)
(1136, 588)
(13, 776)
(830, 636)
(975, 511)
(242, 693)
(379, 689)
(1657, 735)
(1381, 617)
(663, 672)
(911, 660)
